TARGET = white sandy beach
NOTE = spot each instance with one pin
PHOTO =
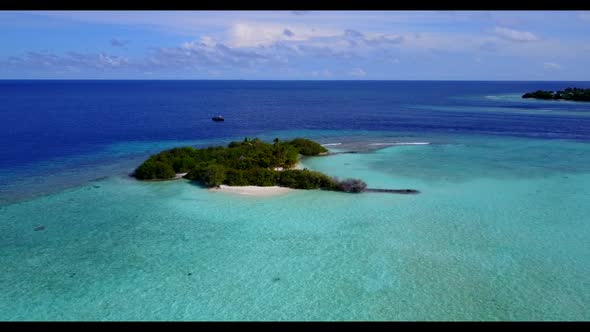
(256, 190)
(252, 190)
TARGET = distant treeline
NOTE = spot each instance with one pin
(574, 94)
(250, 162)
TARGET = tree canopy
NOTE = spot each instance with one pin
(574, 94)
(249, 162)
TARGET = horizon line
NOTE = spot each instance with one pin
(284, 80)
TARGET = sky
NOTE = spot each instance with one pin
(296, 45)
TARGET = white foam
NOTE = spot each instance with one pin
(330, 144)
(402, 143)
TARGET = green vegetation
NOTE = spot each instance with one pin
(250, 162)
(306, 179)
(574, 94)
(307, 147)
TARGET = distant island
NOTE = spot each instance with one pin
(574, 94)
(251, 162)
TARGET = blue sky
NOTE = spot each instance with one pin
(308, 45)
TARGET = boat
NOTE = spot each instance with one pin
(217, 118)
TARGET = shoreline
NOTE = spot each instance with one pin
(178, 176)
(255, 191)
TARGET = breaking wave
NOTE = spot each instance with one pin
(402, 143)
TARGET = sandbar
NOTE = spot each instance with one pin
(252, 190)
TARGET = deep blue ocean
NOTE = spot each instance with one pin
(52, 127)
(47, 119)
(499, 231)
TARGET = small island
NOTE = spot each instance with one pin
(251, 162)
(573, 94)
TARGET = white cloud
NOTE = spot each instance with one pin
(551, 66)
(191, 21)
(296, 40)
(114, 61)
(70, 62)
(206, 52)
(263, 34)
(262, 45)
(208, 41)
(456, 42)
(515, 35)
(358, 72)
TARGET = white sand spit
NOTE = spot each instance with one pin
(252, 190)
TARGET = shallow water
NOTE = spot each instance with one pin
(499, 231)
(481, 242)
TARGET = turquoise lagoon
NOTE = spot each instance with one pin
(499, 232)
